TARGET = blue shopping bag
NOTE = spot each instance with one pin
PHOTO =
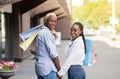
(88, 54)
(28, 33)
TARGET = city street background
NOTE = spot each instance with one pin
(106, 67)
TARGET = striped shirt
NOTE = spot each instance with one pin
(45, 52)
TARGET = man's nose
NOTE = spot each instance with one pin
(72, 31)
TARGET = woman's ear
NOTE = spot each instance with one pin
(81, 32)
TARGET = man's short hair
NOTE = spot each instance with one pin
(48, 15)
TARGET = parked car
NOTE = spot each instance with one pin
(89, 31)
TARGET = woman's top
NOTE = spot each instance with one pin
(74, 53)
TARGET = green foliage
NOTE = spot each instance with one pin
(94, 14)
(5, 67)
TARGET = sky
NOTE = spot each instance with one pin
(77, 2)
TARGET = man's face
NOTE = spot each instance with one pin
(52, 22)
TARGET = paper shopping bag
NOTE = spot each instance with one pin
(93, 55)
(88, 54)
(27, 42)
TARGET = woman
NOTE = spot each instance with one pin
(75, 53)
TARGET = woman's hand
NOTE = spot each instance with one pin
(53, 32)
(59, 77)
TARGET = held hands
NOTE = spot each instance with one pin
(59, 77)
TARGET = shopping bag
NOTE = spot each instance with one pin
(24, 45)
(93, 55)
(90, 58)
(26, 34)
(29, 35)
(88, 53)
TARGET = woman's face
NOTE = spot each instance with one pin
(75, 32)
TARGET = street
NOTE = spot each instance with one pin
(106, 67)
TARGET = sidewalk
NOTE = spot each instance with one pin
(108, 40)
(26, 68)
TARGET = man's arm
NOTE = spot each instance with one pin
(56, 62)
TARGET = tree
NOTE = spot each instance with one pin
(93, 14)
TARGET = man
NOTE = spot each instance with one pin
(47, 62)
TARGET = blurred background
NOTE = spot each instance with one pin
(101, 20)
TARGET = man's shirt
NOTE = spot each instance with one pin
(45, 52)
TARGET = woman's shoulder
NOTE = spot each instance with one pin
(78, 39)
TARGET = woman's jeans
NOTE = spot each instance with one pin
(76, 72)
(51, 75)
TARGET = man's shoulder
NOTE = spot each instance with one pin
(44, 31)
